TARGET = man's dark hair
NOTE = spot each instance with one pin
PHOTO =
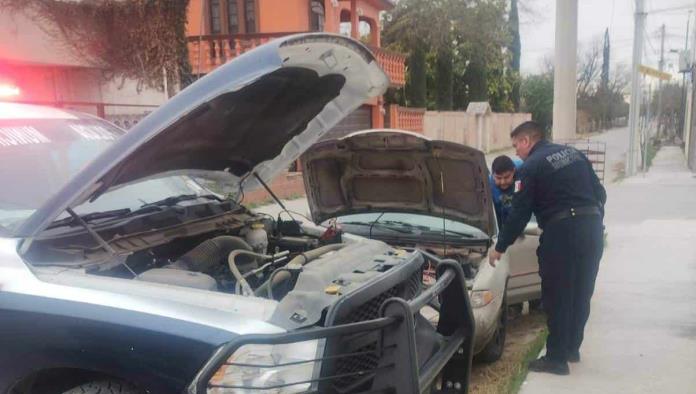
(502, 164)
(531, 129)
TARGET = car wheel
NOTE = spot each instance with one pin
(105, 387)
(494, 349)
(515, 311)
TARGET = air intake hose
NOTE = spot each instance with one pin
(210, 256)
(282, 274)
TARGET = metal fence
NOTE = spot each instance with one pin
(594, 150)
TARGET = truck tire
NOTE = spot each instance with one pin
(105, 387)
(494, 349)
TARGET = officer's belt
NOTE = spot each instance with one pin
(573, 212)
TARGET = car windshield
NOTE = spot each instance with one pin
(419, 223)
(39, 156)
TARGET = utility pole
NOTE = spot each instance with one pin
(646, 129)
(659, 83)
(682, 118)
(634, 113)
(565, 70)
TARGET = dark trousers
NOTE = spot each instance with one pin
(569, 254)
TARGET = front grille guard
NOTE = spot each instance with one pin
(398, 369)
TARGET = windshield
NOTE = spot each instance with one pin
(39, 156)
(421, 223)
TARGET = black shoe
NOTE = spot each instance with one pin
(574, 357)
(547, 365)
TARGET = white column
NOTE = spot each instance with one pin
(634, 113)
(565, 70)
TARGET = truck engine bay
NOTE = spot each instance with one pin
(317, 278)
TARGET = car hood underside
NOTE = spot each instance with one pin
(392, 171)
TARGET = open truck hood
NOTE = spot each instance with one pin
(397, 171)
(254, 115)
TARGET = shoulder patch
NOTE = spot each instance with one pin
(518, 186)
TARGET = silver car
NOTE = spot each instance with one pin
(410, 191)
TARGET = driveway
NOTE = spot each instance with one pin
(641, 337)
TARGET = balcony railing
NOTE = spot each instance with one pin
(208, 52)
(394, 64)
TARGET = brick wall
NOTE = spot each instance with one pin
(404, 118)
(286, 185)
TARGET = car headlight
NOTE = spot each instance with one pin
(480, 298)
(267, 369)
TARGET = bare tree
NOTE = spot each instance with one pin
(531, 12)
(589, 69)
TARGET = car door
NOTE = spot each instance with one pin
(525, 283)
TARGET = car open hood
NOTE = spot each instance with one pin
(396, 171)
(254, 115)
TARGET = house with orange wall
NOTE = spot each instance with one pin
(219, 30)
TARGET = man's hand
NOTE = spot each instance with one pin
(494, 256)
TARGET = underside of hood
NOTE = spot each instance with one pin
(250, 117)
(236, 131)
(395, 171)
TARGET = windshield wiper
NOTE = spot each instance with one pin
(458, 233)
(88, 217)
(406, 224)
(101, 241)
(156, 206)
(171, 201)
(427, 228)
(380, 225)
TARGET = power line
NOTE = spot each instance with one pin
(671, 9)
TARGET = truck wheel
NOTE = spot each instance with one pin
(105, 387)
(494, 349)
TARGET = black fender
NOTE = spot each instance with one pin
(158, 354)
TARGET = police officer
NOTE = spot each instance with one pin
(557, 184)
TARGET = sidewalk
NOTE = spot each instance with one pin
(641, 337)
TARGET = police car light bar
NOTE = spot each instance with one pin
(9, 91)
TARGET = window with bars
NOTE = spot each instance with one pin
(250, 15)
(317, 15)
(232, 17)
(215, 17)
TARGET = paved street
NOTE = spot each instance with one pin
(617, 142)
(641, 337)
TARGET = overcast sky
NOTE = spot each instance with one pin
(537, 29)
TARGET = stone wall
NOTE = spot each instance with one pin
(487, 132)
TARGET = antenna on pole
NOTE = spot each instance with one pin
(200, 39)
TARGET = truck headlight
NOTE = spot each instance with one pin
(480, 298)
(267, 369)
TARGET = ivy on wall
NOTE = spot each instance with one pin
(143, 40)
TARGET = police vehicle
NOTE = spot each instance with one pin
(122, 272)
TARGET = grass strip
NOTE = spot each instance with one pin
(518, 379)
(526, 336)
